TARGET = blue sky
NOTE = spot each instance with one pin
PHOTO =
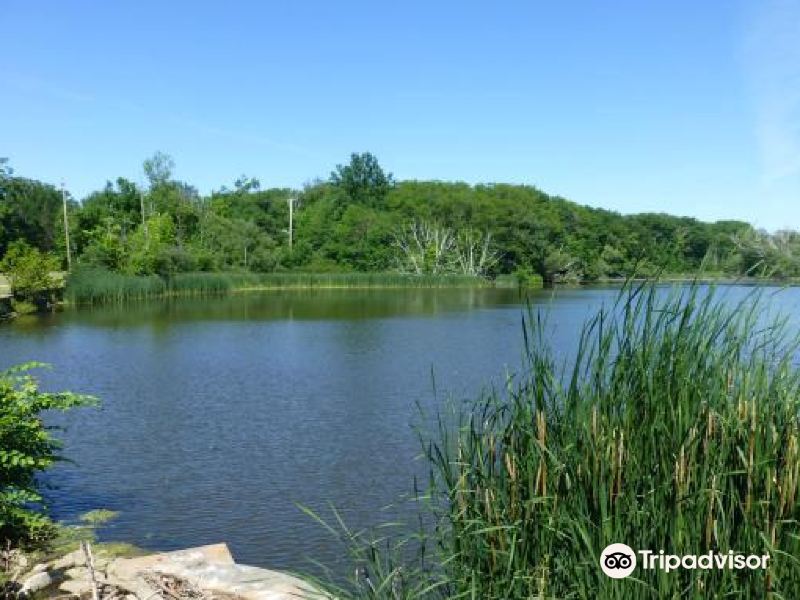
(676, 106)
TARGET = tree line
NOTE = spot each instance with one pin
(361, 219)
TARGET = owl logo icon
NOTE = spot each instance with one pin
(618, 561)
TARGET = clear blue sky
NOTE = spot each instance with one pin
(678, 106)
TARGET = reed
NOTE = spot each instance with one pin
(354, 280)
(94, 286)
(673, 427)
(199, 284)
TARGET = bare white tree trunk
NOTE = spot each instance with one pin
(427, 248)
(474, 254)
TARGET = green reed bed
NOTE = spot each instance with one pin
(199, 284)
(674, 427)
(92, 286)
(353, 280)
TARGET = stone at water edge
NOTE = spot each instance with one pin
(212, 569)
(76, 558)
(37, 582)
(77, 587)
(38, 568)
(77, 573)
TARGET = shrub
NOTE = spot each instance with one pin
(170, 261)
(526, 278)
(30, 273)
(264, 260)
(27, 447)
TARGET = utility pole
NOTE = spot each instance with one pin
(291, 219)
(66, 226)
(144, 221)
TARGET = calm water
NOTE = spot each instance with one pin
(219, 416)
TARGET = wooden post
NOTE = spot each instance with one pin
(144, 220)
(291, 218)
(87, 551)
(66, 226)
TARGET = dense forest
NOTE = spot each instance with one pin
(361, 219)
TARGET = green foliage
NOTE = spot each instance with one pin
(355, 219)
(27, 447)
(98, 516)
(200, 284)
(673, 427)
(522, 278)
(158, 168)
(148, 244)
(89, 285)
(30, 273)
(5, 170)
(29, 210)
(362, 180)
(67, 538)
(95, 286)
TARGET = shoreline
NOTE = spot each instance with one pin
(298, 281)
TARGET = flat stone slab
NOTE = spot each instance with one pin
(217, 554)
(212, 569)
(250, 583)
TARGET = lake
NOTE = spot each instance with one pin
(219, 416)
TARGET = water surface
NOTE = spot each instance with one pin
(219, 416)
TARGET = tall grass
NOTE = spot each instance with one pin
(88, 286)
(353, 280)
(674, 427)
(92, 286)
(199, 284)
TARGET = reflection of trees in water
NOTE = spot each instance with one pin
(294, 304)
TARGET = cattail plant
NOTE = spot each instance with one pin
(672, 426)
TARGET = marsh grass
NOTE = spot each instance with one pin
(355, 280)
(97, 286)
(674, 426)
(94, 286)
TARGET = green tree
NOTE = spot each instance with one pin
(27, 447)
(30, 273)
(149, 242)
(105, 246)
(349, 222)
(158, 168)
(29, 210)
(363, 180)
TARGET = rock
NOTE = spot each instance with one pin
(77, 573)
(210, 569)
(39, 568)
(37, 582)
(76, 587)
(73, 559)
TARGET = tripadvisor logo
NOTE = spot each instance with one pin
(619, 560)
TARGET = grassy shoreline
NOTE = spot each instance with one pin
(704, 279)
(96, 287)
